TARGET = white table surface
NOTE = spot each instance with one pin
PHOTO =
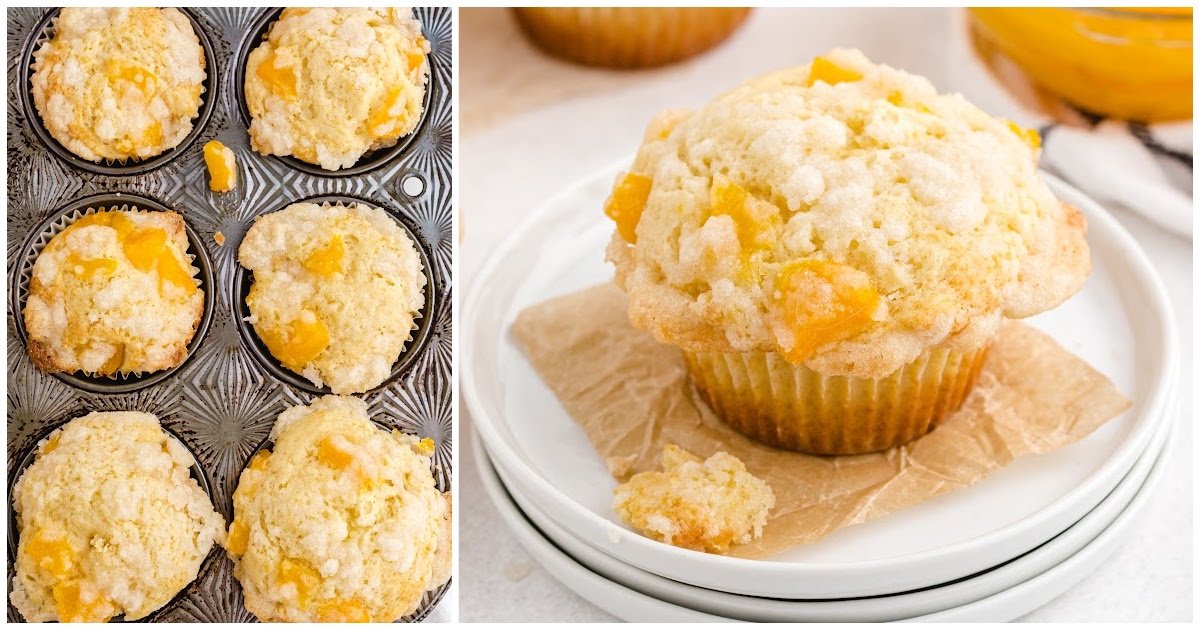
(507, 169)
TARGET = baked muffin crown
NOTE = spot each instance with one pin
(111, 522)
(843, 214)
(114, 292)
(328, 85)
(341, 521)
(120, 83)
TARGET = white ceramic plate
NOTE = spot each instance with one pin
(1119, 323)
(887, 608)
(629, 604)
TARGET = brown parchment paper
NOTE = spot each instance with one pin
(632, 396)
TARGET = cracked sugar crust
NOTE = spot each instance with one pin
(843, 214)
(341, 521)
(703, 505)
(119, 84)
(328, 85)
(336, 290)
(114, 292)
(110, 521)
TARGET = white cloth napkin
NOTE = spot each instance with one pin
(1147, 169)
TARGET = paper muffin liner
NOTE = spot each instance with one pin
(417, 335)
(628, 37)
(130, 165)
(795, 408)
(123, 380)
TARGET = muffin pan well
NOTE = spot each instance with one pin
(42, 32)
(223, 400)
(371, 159)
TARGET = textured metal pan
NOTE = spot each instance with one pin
(222, 401)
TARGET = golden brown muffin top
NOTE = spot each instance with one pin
(843, 214)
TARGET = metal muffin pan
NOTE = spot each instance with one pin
(223, 400)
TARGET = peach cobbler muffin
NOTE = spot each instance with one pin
(340, 521)
(834, 246)
(111, 521)
(329, 85)
(119, 84)
(336, 291)
(114, 292)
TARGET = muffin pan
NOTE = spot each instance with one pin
(223, 400)
(42, 32)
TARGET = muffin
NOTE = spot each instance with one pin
(110, 521)
(833, 248)
(329, 85)
(703, 505)
(341, 522)
(114, 292)
(628, 37)
(335, 293)
(119, 84)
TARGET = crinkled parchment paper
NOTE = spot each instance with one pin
(632, 396)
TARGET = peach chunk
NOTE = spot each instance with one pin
(51, 444)
(222, 166)
(344, 611)
(239, 537)
(816, 302)
(625, 204)
(114, 362)
(327, 260)
(259, 461)
(336, 452)
(299, 574)
(302, 341)
(76, 604)
(52, 555)
(169, 270)
(281, 81)
(143, 247)
(753, 218)
(120, 70)
(831, 73)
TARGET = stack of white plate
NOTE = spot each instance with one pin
(991, 552)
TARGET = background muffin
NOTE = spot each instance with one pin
(628, 37)
(844, 218)
(119, 83)
(341, 522)
(328, 85)
(114, 292)
(110, 521)
(336, 289)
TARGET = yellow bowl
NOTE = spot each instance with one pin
(1133, 64)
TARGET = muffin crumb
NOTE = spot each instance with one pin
(703, 505)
